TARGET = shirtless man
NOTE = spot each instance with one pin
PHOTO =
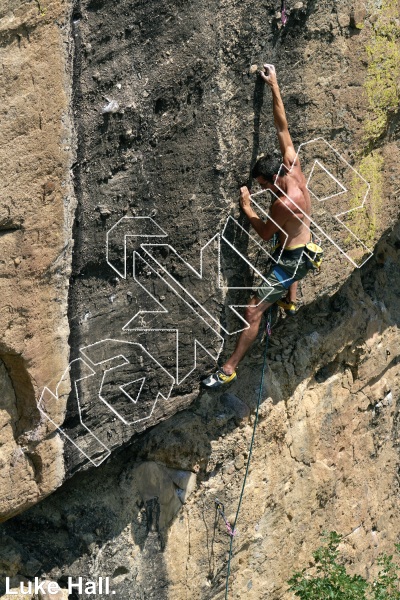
(292, 266)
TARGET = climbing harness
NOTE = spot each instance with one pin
(219, 507)
(260, 393)
(284, 17)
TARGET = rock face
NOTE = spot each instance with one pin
(325, 457)
(168, 118)
(36, 215)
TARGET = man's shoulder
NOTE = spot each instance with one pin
(295, 171)
(295, 199)
(281, 205)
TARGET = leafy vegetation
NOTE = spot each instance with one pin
(363, 223)
(383, 73)
(331, 580)
(382, 89)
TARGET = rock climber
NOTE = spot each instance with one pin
(290, 210)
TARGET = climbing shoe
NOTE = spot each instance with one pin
(215, 380)
(289, 307)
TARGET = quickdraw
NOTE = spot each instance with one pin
(219, 507)
(284, 17)
(268, 325)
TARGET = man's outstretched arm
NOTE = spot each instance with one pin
(281, 124)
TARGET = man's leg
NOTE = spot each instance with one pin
(292, 292)
(253, 316)
(288, 302)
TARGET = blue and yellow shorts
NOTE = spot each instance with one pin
(293, 266)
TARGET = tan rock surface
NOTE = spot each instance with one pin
(326, 450)
(59, 595)
(16, 595)
(327, 458)
(324, 460)
(36, 212)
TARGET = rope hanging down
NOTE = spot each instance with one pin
(233, 528)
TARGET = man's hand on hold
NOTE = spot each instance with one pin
(269, 74)
(245, 199)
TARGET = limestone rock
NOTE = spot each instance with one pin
(153, 482)
(188, 443)
(19, 487)
(236, 407)
(50, 590)
(185, 482)
(16, 594)
(155, 180)
(343, 19)
(36, 213)
(358, 15)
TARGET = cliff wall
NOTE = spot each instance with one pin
(134, 124)
(36, 216)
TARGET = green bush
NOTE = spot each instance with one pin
(332, 582)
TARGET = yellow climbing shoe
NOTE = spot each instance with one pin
(289, 307)
(215, 380)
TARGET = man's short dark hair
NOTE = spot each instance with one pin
(266, 167)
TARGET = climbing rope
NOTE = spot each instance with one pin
(260, 393)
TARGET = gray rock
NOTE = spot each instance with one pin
(235, 407)
(185, 482)
(51, 591)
